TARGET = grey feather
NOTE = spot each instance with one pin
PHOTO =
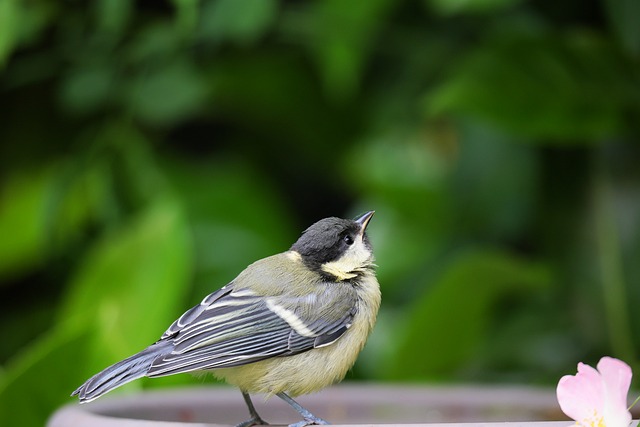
(218, 337)
(114, 376)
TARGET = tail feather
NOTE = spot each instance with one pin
(127, 370)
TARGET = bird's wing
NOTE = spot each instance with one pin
(233, 327)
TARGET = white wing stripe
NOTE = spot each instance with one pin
(291, 318)
(227, 303)
(242, 293)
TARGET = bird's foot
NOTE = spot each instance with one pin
(255, 421)
(310, 421)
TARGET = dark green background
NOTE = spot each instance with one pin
(151, 150)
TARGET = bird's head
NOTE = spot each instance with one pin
(338, 248)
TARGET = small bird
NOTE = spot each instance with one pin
(289, 324)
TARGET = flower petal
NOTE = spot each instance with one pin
(582, 395)
(616, 377)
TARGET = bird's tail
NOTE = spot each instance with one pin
(114, 376)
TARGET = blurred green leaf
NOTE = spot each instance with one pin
(565, 88)
(343, 36)
(624, 17)
(187, 12)
(25, 324)
(43, 211)
(136, 177)
(23, 200)
(399, 163)
(21, 23)
(38, 379)
(40, 212)
(239, 21)
(153, 44)
(10, 17)
(84, 91)
(445, 329)
(530, 345)
(131, 286)
(271, 104)
(112, 17)
(167, 94)
(493, 198)
(450, 7)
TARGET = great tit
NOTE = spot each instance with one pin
(289, 324)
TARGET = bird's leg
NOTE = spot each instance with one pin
(255, 418)
(309, 418)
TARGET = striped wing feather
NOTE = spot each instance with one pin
(232, 328)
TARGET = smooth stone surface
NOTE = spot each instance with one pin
(340, 405)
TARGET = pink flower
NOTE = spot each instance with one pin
(597, 398)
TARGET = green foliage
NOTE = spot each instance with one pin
(450, 7)
(549, 86)
(153, 258)
(168, 94)
(9, 13)
(22, 222)
(238, 21)
(443, 330)
(150, 151)
(42, 211)
(341, 41)
(622, 15)
(25, 398)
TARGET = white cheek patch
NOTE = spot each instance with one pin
(355, 258)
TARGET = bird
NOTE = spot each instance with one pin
(287, 325)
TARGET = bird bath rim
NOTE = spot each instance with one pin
(362, 404)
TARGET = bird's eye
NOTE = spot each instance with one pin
(348, 239)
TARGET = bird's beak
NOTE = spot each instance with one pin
(363, 220)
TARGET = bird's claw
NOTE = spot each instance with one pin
(255, 421)
(310, 421)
